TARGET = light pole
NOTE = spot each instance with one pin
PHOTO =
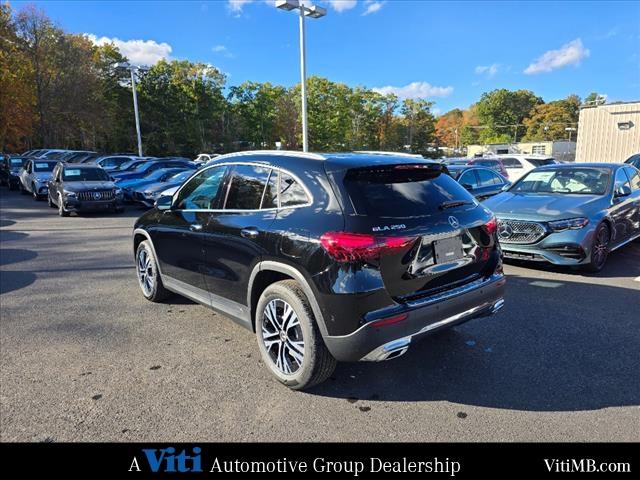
(132, 69)
(570, 129)
(312, 11)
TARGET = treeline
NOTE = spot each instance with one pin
(61, 90)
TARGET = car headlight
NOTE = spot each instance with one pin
(569, 224)
(68, 193)
(117, 191)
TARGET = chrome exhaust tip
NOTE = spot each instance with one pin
(497, 306)
(389, 351)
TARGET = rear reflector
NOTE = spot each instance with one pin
(389, 321)
(351, 247)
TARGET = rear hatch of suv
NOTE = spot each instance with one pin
(418, 226)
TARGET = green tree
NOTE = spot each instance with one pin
(419, 123)
(549, 121)
(502, 113)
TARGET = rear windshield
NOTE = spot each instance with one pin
(486, 163)
(16, 162)
(402, 191)
(540, 162)
(84, 175)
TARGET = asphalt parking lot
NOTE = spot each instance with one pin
(84, 357)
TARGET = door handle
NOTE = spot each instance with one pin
(195, 227)
(249, 232)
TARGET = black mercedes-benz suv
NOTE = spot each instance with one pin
(326, 257)
(81, 188)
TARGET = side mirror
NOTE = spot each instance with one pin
(466, 186)
(623, 191)
(505, 187)
(164, 203)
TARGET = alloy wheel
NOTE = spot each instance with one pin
(282, 336)
(600, 246)
(146, 275)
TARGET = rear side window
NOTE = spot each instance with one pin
(248, 183)
(400, 191)
(291, 192)
(488, 178)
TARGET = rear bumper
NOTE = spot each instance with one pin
(429, 315)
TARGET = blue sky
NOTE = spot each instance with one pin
(450, 52)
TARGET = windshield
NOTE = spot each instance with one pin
(585, 181)
(16, 162)
(540, 162)
(139, 167)
(180, 177)
(156, 174)
(43, 166)
(486, 163)
(131, 164)
(84, 175)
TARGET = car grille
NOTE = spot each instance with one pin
(517, 231)
(96, 195)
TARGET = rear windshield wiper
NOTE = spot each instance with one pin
(453, 204)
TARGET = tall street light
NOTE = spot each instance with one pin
(305, 10)
(133, 69)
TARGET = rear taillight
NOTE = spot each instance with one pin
(351, 247)
(491, 226)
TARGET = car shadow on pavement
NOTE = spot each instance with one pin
(15, 280)
(574, 350)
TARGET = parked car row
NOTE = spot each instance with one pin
(92, 183)
(512, 166)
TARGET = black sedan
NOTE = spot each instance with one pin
(80, 188)
(10, 171)
(481, 182)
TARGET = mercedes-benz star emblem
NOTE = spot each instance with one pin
(97, 195)
(453, 221)
(505, 230)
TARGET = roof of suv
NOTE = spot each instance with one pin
(332, 161)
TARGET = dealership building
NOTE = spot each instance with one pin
(608, 133)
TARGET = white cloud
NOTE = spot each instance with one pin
(488, 70)
(237, 5)
(416, 90)
(571, 53)
(372, 7)
(139, 52)
(222, 50)
(342, 5)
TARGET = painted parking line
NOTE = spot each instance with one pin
(637, 279)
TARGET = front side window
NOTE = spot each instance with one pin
(201, 192)
(468, 178)
(621, 181)
(634, 177)
(246, 188)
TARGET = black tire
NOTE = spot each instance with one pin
(157, 293)
(61, 210)
(599, 249)
(34, 193)
(11, 187)
(22, 189)
(50, 202)
(317, 363)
